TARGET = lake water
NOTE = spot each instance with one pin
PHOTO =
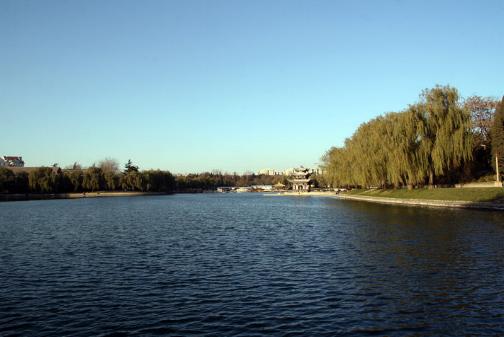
(248, 265)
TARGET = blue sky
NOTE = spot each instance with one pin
(191, 86)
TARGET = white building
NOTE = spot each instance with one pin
(2, 162)
(268, 172)
(13, 161)
(262, 187)
(243, 189)
(288, 172)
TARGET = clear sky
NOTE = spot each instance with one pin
(234, 85)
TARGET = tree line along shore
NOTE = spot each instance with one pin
(438, 141)
(106, 176)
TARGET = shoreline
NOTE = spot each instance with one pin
(485, 205)
(54, 196)
(460, 204)
(300, 194)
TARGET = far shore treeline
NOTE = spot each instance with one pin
(440, 140)
(106, 176)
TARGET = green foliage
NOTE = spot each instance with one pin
(445, 131)
(74, 178)
(45, 180)
(11, 182)
(408, 148)
(21, 184)
(210, 181)
(497, 132)
(111, 180)
(7, 180)
(158, 181)
(129, 167)
(482, 110)
(93, 179)
(132, 181)
(105, 177)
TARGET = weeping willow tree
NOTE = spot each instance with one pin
(428, 139)
(338, 166)
(380, 153)
(444, 131)
(367, 157)
(401, 144)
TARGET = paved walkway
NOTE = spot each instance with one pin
(499, 206)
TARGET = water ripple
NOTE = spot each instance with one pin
(246, 265)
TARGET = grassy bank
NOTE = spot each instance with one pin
(449, 194)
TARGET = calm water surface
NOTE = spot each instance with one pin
(248, 265)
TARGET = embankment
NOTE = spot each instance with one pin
(448, 201)
(48, 196)
(476, 198)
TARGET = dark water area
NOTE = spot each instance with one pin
(248, 265)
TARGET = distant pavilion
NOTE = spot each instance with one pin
(300, 179)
